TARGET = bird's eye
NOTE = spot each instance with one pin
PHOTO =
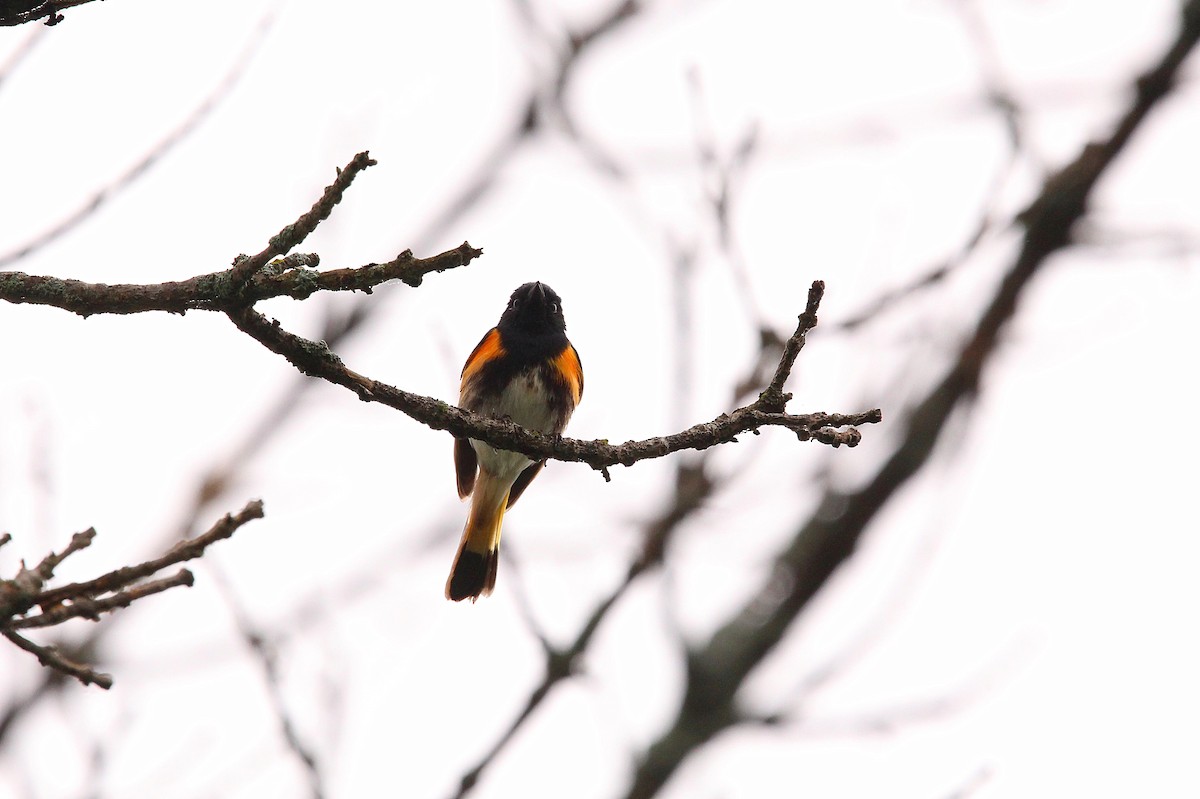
(554, 307)
(514, 303)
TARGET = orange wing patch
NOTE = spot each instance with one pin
(569, 367)
(488, 348)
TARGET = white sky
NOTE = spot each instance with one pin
(1038, 578)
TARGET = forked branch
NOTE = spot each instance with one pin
(26, 602)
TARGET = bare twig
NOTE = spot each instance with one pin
(283, 242)
(20, 593)
(84, 606)
(116, 589)
(182, 551)
(45, 569)
(773, 397)
(50, 657)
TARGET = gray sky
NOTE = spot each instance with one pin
(1019, 620)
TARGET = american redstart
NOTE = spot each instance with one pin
(525, 370)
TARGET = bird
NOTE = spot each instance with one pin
(525, 370)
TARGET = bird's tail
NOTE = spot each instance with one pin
(474, 571)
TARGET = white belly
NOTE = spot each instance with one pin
(523, 401)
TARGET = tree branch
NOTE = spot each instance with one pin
(315, 359)
(215, 291)
(116, 589)
(251, 279)
(50, 657)
(84, 606)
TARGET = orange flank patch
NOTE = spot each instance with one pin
(487, 349)
(569, 367)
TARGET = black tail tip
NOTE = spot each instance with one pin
(474, 575)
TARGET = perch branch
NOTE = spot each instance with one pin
(315, 359)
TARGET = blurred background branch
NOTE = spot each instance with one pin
(716, 671)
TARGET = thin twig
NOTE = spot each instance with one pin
(85, 607)
(50, 657)
(20, 593)
(182, 551)
(283, 242)
(773, 397)
(45, 569)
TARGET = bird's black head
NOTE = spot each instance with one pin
(534, 309)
